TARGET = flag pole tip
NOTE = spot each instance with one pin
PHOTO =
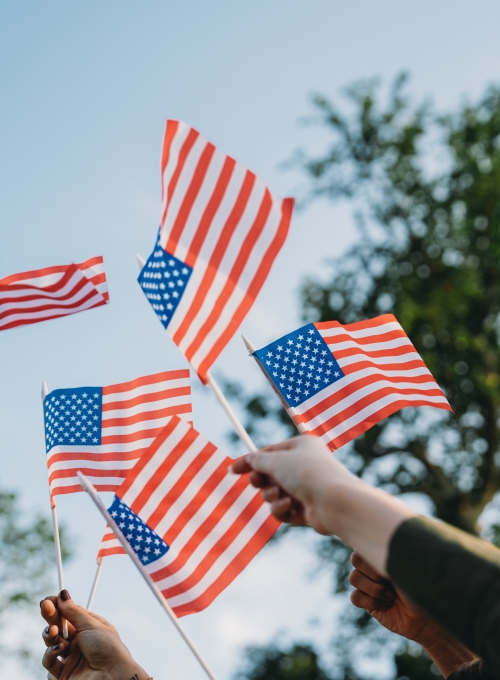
(251, 349)
(140, 261)
(45, 390)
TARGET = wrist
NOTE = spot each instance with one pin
(128, 671)
(446, 652)
(332, 501)
(363, 517)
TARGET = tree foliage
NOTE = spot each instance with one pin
(298, 662)
(425, 189)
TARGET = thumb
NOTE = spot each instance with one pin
(72, 612)
(264, 462)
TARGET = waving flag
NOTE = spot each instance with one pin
(337, 381)
(103, 431)
(52, 292)
(194, 525)
(221, 230)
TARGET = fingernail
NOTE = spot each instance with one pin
(55, 647)
(64, 595)
(41, 602)
(46, 631)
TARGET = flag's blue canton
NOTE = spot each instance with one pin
(146, 543)
(73, 417)
(164, 279)
(300, 364)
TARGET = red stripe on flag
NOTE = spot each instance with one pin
(252, 292)
(210, 211)
(236, 566)
(186, 148)
(190, 197)
(217, 255)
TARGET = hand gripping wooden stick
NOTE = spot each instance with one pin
(89, 488)
(57, 542)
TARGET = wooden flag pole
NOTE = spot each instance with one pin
(240, 430)
(100, 562)
(57, 542)
(251, 349)
(212, 383)
(89, 488)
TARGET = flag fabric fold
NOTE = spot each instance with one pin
(52, 292)
(103, 431)
(221, 230)
(194, 525)
(338, 381)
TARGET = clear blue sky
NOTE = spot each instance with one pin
(85, 90)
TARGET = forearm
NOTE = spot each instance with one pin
(124, 667)
(364, 517)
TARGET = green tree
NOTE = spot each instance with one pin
(26, 563)
(425, 189)
(298, 662)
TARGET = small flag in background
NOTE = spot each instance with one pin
(338, 381)
(194, 525)
(52, 292)
(221, 230)
(102, 431)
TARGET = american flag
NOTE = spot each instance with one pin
(194, 525)
(338, 381)
(52, 292)
(103, 431)
(221, 229)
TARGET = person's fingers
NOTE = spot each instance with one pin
(241, 466)
(364, 601)
(285, 509)
(50, 661)
(364, 567)
(50, 612)
(79, 617)
(252, 461)
(264, 461)
(259, 480)
(271, 493)
(285, 445)
(50, 635)
(104, 621)
(380, 591)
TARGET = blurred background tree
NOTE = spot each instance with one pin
(425, 190)
(297, 662)
(27, 571)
